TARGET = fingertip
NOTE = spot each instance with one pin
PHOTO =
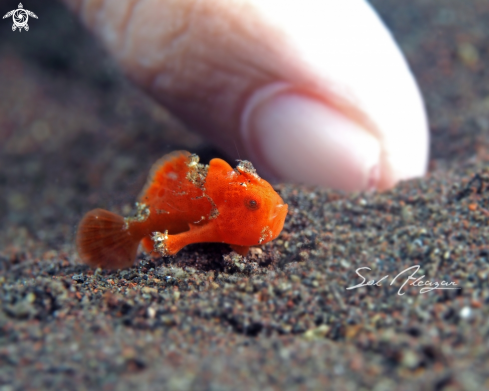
(300, 139)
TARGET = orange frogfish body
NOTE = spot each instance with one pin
(185, 202)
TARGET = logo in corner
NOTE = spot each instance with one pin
(20, 16)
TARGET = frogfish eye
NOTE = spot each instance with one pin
(252, 204)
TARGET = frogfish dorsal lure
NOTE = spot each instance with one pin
(185, 202)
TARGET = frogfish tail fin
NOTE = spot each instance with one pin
(103, 240)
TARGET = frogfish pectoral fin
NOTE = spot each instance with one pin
(168, 245)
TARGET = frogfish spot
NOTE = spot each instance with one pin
(185, 202)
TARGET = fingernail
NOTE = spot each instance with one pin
(300, 139)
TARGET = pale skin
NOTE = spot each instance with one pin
(319, 84)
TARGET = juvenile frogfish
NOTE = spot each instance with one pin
(185, 202)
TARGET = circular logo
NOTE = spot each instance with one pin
(20, 17)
